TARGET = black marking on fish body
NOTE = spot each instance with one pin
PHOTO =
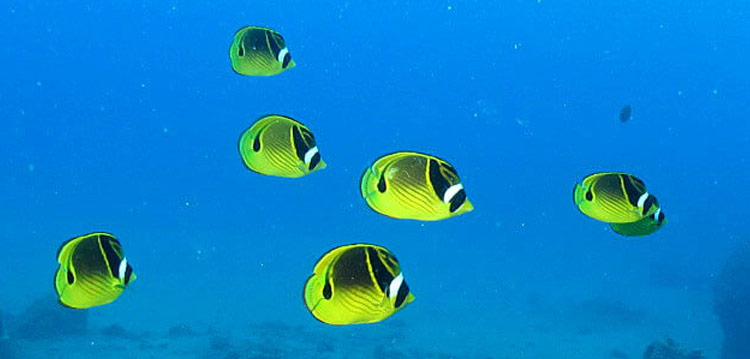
(327, 290)
(314, 161)
(280, 42)
(457, 200)
(128, 274)
(108, 237)
(650, 202)
(449, 168)
(112, 258)
(381, 183)
(240, 51)
(631, 191)
(256, 143)
(71, 278)
(439, 183)
(300, 147)
(390, 259)
(660, 218)
(403, 291)
(308, 137)
(382, 276)
(589, 195)
(638, 183)
(273, 45)
(287, 60)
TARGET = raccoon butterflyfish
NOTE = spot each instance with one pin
(412, 185)
(93, 271)
(642, 227)
(259, 51)
(614, 197)
(355, 284)
(280, 146)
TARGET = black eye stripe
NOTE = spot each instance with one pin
(314, 161)
(457, 200)
(128, 274)
(403, 291)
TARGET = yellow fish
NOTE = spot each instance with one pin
(259, 51)
(642, 227)
(93, 271)
(355, 284)
(614, 197)
(280, 146)
(412, 185)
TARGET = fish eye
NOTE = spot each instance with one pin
(589, 196)
(241, 51)
(381, 184)
(71, 278)
(256, 143)
(327, 291)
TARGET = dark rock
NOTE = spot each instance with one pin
(220, 343)
(668, 349)
(46, 318)
(731, 298)
(181, 330)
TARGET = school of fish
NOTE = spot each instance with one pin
(353, 283)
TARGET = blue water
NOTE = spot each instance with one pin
(124, 117)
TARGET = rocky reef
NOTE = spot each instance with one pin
(731, 298)
(45, 318)
(668, 349)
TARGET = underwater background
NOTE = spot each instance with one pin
(124, 117)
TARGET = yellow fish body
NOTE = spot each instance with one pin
(614, 197)
(356, 284)
(259, 51)
(645, 226)
(280, 146)
(412, 185)
(92, 271)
